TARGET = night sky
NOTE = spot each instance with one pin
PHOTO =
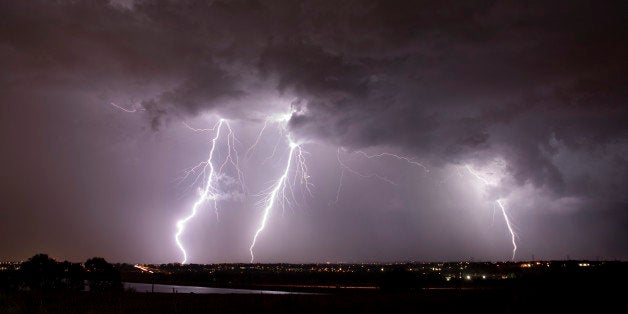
(522, 103)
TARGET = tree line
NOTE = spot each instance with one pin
(42, 273)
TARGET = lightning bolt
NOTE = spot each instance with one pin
(259, 136)
(282, 192)
(510, 229)
(513, 235)
(191, 128)
(344, 167)
(132, 110)
(207, 169)
(279, 187)
(403, 158)
(283, 189)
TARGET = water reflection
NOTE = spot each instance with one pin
(147, 287)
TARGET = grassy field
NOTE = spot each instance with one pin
(425, 301)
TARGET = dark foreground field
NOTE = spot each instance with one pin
(529, 300)
(42, 285)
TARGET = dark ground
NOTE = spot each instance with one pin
(528, 300)
(556, 287)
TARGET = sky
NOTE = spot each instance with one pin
(406, 130)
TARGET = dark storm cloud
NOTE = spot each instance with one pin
(540, 84)
(91, 45)
(435, 78)
(446, 81)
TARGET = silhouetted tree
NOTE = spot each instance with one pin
(73, 275)
(102, 276)
(41, 272)
(9, 280)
